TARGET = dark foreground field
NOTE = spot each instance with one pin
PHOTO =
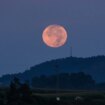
(40, 97)
(74, 98)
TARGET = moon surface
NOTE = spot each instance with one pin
(54, 36)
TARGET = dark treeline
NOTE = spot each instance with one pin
(66, 81)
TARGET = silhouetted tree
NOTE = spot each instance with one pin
(13, 95)
(19, 93)
(25, 92)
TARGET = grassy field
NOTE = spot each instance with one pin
(44, 97)
(74, 98)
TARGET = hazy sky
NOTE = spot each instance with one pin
(22, 23)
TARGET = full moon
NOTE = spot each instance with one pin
(54, 36)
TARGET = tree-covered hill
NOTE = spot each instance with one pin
(94, 66)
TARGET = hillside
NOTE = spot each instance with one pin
(95, 66)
